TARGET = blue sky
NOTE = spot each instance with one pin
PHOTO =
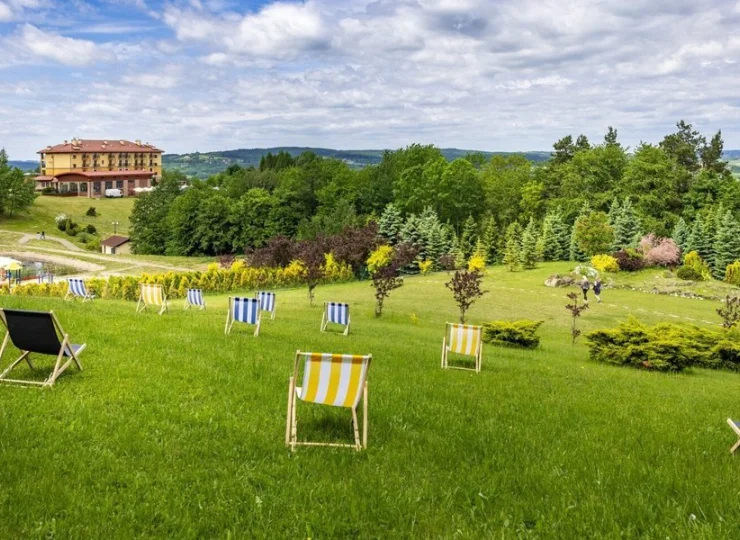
(491, 75)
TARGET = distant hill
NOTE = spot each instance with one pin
(203, 165)
(24, 165)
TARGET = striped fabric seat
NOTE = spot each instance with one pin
(338, 380)
(336, 313)
(267, 302)
(194, 298)
(151, 295)
(245, 310)
(76, 289)
(463, 339)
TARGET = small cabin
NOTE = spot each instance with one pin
(115, 245)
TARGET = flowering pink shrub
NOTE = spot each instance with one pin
(664, 252)
(648, 242)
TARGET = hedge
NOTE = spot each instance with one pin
(512, 333)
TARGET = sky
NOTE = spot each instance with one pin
(509, 75)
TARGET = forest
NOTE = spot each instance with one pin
(588, 198)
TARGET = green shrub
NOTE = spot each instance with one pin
(688, 273)
(83, 237)
(93, 244)
(664, 347)
(92, 212)
(694, 260)
(90, 229)
(732, 274)
(71, 228)
(512, 333)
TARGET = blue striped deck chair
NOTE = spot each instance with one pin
(194, 298)
(245, 310)
(337, 380)
(267, 302)
(76, 289)
(336, 313)
(151, 295)
(463, 339)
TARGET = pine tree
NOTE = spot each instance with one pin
(390, 224)
(490, 240)
(529, 255)
(562, 233)
(512, 253)
(698, 240)
(469, 236)
(727, 245)
(627, 231)
(615, 210)
(548, 244)
(681, 235)
(410, 232)
(712, 225)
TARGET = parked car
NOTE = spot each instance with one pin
(113, 193)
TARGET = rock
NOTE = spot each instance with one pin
(559, 281)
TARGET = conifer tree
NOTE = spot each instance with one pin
(490, 240)
(469, 237)
(615, 211)
(574, 251)
(627, 232)
(562, 233)
(410, 232)
(698, 240)
(727, 245)
(528, 255)
(512, 253)
(548, 244)
(681, 235)
(389, 226)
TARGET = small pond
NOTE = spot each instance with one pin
(34, 268)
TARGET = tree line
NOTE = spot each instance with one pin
(16, 193)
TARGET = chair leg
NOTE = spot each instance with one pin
(291, 393)
(735, 447)
(356, 428)
(346, 330)
(323, 322)
(444, 348)
(293, 427)
(10, 368)
(364, 416)
(228, 317)
(257, 329)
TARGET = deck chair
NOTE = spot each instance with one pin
(246, 310)
(194, 298)
(151, 295)
(37, 332)
(736, 428)
(337, 313)
(267, 302)
(339, 380)
(76, 289)
(463, 339)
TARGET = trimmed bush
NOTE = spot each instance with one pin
(664, 347)
(605, 263)
(688, 273)
(512, 333)
(629, 260)
(732, 274)
(92, 212)
(693, 260)
(90, 229)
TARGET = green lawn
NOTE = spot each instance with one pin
(176, 431)
(40, 216)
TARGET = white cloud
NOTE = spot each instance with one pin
(68, 51)
(5, 13)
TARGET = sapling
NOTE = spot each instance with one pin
(465, 286)
(575, 309)
(730, 312)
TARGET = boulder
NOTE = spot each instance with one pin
(559, 281)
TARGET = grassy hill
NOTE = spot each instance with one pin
(175, 430)
(206, 164)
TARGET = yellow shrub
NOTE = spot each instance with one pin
(380, 258)
(477, 263)
(425, 266)
(238, 266)
(605, 263)
(295, 271)
(213, 267)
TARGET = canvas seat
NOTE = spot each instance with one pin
(37, 332)
(76, 289)
(267, 302)
(336, 313)
(194, 298)
(463, 339)
(244, 310)
(151, 295)
(338, 380)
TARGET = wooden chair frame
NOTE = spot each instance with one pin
(230, 319)
(141, 305)
(274, 307)
(325, 320)
(736, 429)
(291, 423)
(59, 367)
(478, 352)
(70, 295)
(188, 305)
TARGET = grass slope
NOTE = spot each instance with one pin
(176, 431)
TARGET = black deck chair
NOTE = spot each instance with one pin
(37, 332)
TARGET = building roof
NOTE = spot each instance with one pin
(100, 145)
(114, 241)
(95, 174)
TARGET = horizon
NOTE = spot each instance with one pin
(361, 74)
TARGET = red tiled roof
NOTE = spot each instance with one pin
(99, 145)
(97, 174)
(114, 241)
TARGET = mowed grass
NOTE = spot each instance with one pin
(174, 430)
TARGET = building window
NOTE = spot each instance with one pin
(96, 187)
(109, 184)
(74, 165)
(83, 187)
(119, 184)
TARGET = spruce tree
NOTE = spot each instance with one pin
(627, 232)
(614, 212)
(681, 235)
(727, 245)
(574, 251)
(513, 248)
(529, 255)
(389, 226)
(469, 237)
(490, 240)
(562, 233)
(548, 244)
(698, 240)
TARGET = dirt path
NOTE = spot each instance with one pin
(77, 264)
(66, 243)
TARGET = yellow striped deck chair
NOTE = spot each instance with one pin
(463, 339)
(339, 380)
(151, 295)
